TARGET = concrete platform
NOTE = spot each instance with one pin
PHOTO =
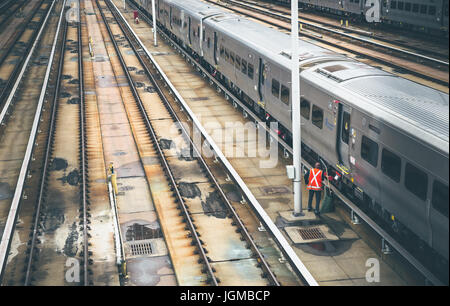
(307, 216)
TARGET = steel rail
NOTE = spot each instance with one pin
(83, 159)
(160, 151)
(20, 64)
(365, 40)
(288, 150)
(14, 209)
(24, 66)
(200, 158)
(168, 171)
(278, 237)
(48, 150)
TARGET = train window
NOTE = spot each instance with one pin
(244, 66)
(209, 43)
(391, 165)
(222, 51)
(423, 9)
(408, 6)
(232, 58)
(227, 56)
(276, 88)
(345, 127)
(432, 10)
(305, 107)
(369, 151)
(440, 198)
(238, 62)
(250, 70)
(394, 5)
(415, 8)
(317, 116)
(284, 95)
(416, 181)
(400, 5)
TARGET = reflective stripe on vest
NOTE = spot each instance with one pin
(315, 180)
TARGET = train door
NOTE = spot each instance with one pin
(262, 72)
(343, 139)
(170, 18)
(216, 60)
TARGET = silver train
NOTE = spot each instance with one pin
(386, 137)
(419, 14)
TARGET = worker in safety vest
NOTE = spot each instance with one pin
(315, 186)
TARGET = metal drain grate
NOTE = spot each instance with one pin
(141, 248)
(311, 233)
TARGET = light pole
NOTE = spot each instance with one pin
(296, 128)
(155, 42)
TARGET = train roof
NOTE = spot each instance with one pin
(196, 8)
(419, 111)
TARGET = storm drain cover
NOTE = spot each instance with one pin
(146, 248)
(311, 233)
(141, 248)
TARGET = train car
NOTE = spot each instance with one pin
(422, 15)
(386, 137)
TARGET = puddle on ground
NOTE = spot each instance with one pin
(189, 190)
(75, 100)
(58, 164)
(73, 178)
(71, 244)
(214, 206)
(138, 231)
(166, 144)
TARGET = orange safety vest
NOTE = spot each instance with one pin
(315, 179)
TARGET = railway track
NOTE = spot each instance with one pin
(203, 240)
(63, 176)
(347, 203)
(12, 59)
(403, 61)
(21, 123)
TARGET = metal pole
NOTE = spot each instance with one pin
(155, 43)
(124, 5)
(296, 131)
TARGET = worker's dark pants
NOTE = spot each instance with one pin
(318, 194)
